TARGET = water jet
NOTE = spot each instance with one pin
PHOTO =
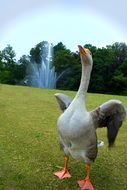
(42, 74)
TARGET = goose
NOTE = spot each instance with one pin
(77, 127)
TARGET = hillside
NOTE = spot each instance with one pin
(29, 144)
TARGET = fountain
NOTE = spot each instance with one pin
(42, 74)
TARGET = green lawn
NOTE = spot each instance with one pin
(29, 144)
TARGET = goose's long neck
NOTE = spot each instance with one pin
(85, 78)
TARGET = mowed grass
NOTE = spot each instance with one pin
(29, 144)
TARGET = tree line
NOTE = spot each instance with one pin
(109, 74)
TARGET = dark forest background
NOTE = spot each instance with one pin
(109, 74)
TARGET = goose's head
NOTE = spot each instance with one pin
(86, 56)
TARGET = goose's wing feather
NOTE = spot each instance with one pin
(111, 114)
(63, 101)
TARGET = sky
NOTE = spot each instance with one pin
(25, 23)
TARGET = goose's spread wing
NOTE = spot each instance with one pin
(63, 101)
(111, 114)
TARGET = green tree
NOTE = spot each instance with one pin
(40, 51)
(61, 58)
(19, 70)
(8, 56)
(1, 63)
(66, 67)
(117, 82)
(119, 79)
(8, 63)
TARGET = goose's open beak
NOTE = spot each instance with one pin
(82, 50)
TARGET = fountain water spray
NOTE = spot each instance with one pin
(42, 74)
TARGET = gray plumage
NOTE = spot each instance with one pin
(77, 127)
(63, 101)
(110, 114)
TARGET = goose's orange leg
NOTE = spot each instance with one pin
(86, 184)
(64, 173)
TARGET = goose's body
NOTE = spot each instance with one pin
(77, 132)
(77, 127)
